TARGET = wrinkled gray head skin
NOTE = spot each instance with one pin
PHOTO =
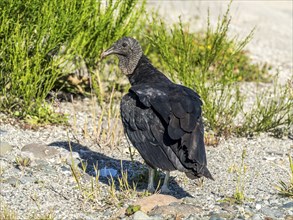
(128, 51)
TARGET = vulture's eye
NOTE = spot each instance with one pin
(124, 44)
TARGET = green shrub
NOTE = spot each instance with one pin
(284, 188)
(41, 38)
(208, 63)
(272, 112)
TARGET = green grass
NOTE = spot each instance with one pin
(102, 126)
(272, 112)
(239, 194)
(239, 171)
(286, 189)
(22, 162)
(6, 212)
(45, 216)
(131, 209)
(118, 191)
(90, 191)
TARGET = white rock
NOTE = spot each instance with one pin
(258, 206)
(108, 172)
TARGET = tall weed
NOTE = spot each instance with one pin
(272, 112)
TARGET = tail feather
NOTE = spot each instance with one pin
(203, 171)
(206, 173)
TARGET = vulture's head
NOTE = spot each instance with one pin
(128, 51)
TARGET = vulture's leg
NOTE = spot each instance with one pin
(151, 187)
(165, 186)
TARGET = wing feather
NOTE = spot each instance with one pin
(178, 109)
(145, 131)
(188, 122)
(165, 125)
(174, 130)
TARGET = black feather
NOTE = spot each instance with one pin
(178, 109)
(174, 130)
(188, 122)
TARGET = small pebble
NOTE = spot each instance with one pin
(5, 148)
(27, 180)
(215, 217)
(258, 206)
(2, 132)
(13, 181)
(273, 213)
(139, 215)
(3, 166)
(288, 205)
(40, 150)
(257, 216)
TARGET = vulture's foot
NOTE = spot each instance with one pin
(165, 187)
(165, 190)
(151, 187)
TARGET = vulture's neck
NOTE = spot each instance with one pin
(145, 72)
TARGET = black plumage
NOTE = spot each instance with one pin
(162, 119)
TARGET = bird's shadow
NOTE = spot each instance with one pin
(100, 160)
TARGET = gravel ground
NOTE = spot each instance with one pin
(47, 186)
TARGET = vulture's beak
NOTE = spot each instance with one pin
(108, 52)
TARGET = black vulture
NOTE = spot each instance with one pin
(161, 119)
